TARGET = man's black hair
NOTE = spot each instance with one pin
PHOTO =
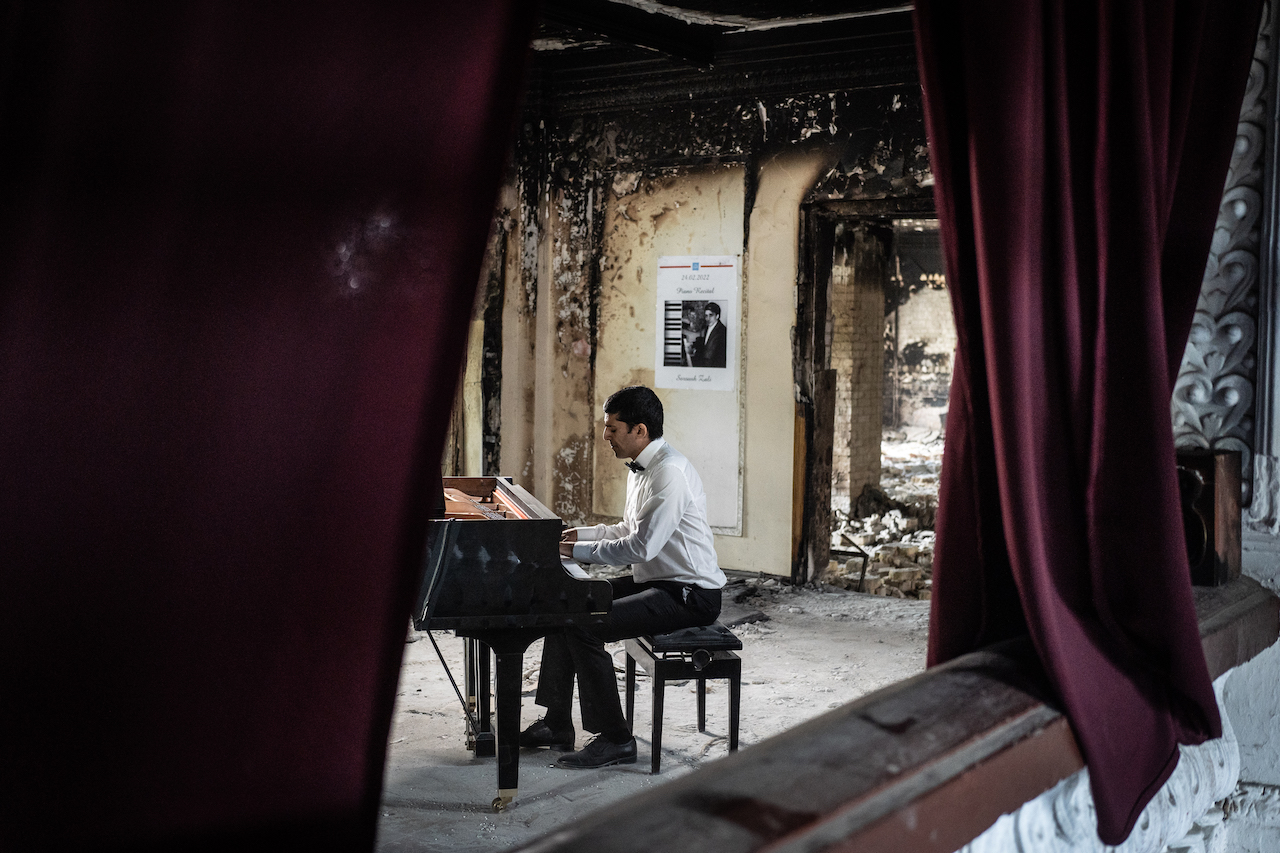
(636, 404)
(713, 307)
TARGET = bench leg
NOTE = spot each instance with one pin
(702, 704)
(659, 685)
(735, 697)
(631, 692)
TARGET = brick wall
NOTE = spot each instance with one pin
(857, 355)
(896, 378)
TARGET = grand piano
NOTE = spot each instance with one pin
(494, 575)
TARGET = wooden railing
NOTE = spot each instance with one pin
(926, 764)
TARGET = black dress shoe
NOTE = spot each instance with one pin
(540, 734)
(601, 752)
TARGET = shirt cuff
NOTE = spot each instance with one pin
(587, 534)
(582, 551)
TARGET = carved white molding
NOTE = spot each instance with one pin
(1213, 398)
(1225, 829)
(1254, 803)
(1207, 835)
(1063, 819)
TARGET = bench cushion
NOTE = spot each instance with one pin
(712, 638)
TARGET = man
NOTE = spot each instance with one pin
(675, 583)
(711, 351)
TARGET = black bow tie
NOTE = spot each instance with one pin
(635, 466)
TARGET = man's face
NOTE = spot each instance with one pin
(625, 441)
(711, 316)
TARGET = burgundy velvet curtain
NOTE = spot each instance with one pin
(239, 243)
(1080, 150)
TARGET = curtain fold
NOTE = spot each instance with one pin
(1079, 150)
(239, 245)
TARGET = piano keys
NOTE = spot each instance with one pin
(674, 353)
(493, 574)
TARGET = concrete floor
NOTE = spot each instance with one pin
(438, 797)
(817, 650)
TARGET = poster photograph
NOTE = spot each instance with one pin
(698, 329)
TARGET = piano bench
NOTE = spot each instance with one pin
(690, 653)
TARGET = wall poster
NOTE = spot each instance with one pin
(698, 328)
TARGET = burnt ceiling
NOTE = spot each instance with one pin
(609, 55)
(771, 10)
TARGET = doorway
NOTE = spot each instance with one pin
(873, 350)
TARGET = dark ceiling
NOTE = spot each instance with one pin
(774, 10)
(703, 33)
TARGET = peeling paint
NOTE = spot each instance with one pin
(624, 183)
(570, 476)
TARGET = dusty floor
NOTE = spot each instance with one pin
(817, 650)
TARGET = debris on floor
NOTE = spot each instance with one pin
(884, 544)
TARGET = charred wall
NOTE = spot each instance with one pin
(596, 117)
(920, 337)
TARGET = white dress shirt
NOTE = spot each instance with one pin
(663, 535)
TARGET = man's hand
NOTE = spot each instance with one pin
(567, 538)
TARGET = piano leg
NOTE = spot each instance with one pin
(508, 647)
(509, 672)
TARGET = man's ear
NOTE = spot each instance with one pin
(642, 430)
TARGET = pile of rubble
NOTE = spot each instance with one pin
(884, 544)
(902, 569)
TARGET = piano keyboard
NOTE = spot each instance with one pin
(673, 354)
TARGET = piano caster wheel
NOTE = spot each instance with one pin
(503, 800)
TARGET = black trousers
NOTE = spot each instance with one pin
(638, 609)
